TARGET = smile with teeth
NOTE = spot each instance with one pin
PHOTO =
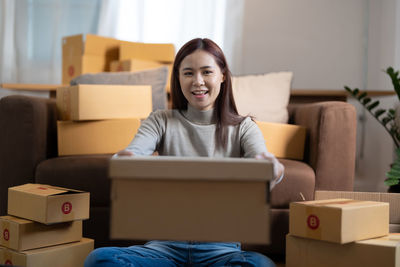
(203, 92)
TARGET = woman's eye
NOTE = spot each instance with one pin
(187, 73)
(207, 72)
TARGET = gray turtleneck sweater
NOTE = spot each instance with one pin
(192, 133)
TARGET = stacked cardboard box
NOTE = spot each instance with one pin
(92, 53)
(44, 227)
(96, 119)
(340, 232)
(392, 198)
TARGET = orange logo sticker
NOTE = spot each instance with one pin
(313, 222)
(66, 207)
(6, 234)
(71, 71)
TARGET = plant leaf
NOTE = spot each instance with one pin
(379, 112)
(385, 120)
(362, 95)
(391, 182)
(366, 101)
(373, 105)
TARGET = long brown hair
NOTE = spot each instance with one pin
(224, 107)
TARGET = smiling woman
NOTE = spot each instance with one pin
(200, 78)
(204, 122)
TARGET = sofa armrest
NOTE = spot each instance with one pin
(28, 135)
(331, 142)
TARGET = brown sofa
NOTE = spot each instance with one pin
(28, 153)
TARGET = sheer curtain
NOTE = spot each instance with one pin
(31, 33)
(158, 21)
(31, 30)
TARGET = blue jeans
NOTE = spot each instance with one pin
(173, 253)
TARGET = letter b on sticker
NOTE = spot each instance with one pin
(313, 222)
(66, 208)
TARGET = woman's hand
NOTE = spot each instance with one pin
(278, 168)
(125, 153)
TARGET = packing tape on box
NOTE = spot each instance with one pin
(339, 202)
(313, 223)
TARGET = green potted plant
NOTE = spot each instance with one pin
(387, 118)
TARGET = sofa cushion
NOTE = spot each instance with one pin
(87, 172)
(265, 97)
(157, 78)
(299, 178)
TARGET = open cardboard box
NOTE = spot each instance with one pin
(48, 204)
(185, 198)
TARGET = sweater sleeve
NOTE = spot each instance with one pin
(251, 139)
(253, 145)
(149, 135)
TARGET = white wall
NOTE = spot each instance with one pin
(329, 44)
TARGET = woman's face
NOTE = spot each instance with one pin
(200, 78)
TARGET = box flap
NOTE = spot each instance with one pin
(40, 189)
(173, 167)
(104, 46)
(158, 52)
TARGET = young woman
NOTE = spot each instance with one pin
(203, 122)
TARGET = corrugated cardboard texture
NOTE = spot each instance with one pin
(28, 201)
(95, 137)
(190, 210)
(284, 140)
(339, 220)
(303, 252)
(164, 198)
(100, 102)
(67, 255)
(20, 234)
(392, 198)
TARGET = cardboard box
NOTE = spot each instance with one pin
(284, 140)
(87, 54)
(226, 199)
(339, 220)
(392, 198)
(146, 51)
(140, 65)
(101, 102)
(303, 252)
(95, 137)
(47, 204)
(20, 234)
(66, 255)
